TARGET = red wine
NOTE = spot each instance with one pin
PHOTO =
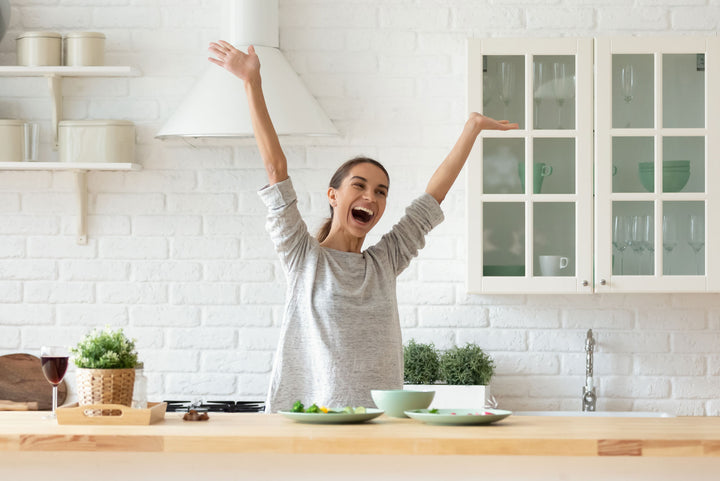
(54, 368)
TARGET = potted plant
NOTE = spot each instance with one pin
(461, 379)
(106, 362)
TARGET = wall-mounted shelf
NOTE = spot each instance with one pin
(55, 75)
(80, 170)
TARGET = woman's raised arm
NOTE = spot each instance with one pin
(445, 175)
(246, 66)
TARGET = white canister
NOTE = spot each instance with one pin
(84, 48)
(11, 140)
(36, 49)
(96, 141)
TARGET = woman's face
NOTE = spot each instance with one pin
(360, 200)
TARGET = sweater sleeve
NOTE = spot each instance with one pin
(286, 227)
(407, 237)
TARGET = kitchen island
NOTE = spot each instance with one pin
(261, 446)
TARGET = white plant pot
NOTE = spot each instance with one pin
(454, 397)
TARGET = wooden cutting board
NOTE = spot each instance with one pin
(22, 380)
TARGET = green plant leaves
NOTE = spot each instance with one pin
(105, 349)
(468, 365)
(422, 363)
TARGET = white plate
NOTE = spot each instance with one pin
(458, 416)
(332, 418)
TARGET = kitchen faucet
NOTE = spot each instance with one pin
(589, 397)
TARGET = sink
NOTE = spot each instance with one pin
(601, 414)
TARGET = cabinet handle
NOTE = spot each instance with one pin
(585, 283)
(603, 282)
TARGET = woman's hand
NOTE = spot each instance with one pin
(445, 175)
(245, 66)
(480, 122)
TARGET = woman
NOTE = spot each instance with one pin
(340, 336)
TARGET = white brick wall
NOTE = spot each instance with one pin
(178, 255)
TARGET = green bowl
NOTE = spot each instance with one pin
(675, 176)
(396, 401)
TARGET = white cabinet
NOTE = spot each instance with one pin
(54, 76)
(529, 191)
(596, 116)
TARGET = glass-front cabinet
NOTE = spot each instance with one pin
(530, 190)
(656, 156)
(613, 157)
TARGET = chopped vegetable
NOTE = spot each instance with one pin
(433, 411)
(298, 407)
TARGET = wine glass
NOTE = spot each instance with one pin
(621, 237)
(507, 82)
(54, 362)
(541, 72)
(697, 238)
(562, 87)
(637, 234)
(670, 240)
(627, 86)
(648, 240)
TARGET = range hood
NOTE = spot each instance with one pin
(217, 107)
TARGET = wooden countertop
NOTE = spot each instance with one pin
(263, 433)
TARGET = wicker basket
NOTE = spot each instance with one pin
(105, 386)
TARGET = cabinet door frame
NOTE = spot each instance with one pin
(582, 49)
(605, 47)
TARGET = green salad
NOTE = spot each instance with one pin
(299, 407)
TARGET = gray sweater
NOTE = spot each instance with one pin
(340, 335)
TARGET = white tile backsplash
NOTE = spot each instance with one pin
(177, 252)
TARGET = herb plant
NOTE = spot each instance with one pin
(105, 349)
(468, 365)
(422, 363)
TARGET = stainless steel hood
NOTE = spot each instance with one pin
(216, 107)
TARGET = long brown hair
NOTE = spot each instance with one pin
(335, 182)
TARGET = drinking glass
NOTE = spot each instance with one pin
(637, 234)
(648, 240)
(541, 73)
(507, 81)
(54, 361)
(621, 237)
(627, 86)
(562, 86)
(670, 240)
(697, 238)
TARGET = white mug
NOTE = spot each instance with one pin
(552, 265)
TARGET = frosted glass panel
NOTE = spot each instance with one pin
(633, 90)
(554, 92)
(683, 238)
(633, 160)
(683, 164)
(554, 239)
(633, 238)
(504, 88)
(502, 159)
(503, 239)
(683, 90)
(554, 166)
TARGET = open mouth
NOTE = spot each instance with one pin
(362, 214)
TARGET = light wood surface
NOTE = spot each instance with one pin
(261, 433)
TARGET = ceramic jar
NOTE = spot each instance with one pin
(35, 49)
(96, 141)
(84, 49)
(11, 140)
